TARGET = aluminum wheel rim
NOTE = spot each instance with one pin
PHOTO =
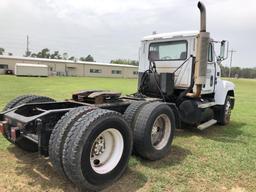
(227, 110)
(106, 151)
(161, 132)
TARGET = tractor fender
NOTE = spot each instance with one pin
(222, 89)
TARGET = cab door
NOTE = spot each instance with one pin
(209, 85)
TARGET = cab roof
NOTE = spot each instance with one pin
(170, 35)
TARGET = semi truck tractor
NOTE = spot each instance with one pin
(90, 137)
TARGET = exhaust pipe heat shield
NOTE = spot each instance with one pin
(201, 58)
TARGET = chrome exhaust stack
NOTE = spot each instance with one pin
(202, 9)
(202, 52)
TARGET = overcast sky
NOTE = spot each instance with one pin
(109, 29)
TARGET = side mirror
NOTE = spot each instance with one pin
(224, 45)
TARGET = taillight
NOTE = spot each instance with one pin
(2, 126)
(14, 133)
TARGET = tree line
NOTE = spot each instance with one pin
(125, 61)
(2, 51)
(45, 53)
(239, 72)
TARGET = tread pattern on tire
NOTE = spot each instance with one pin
(13, 103)
(132, 110)
(35, 99)
(140, 128)
(59, 135)
(141, 122)
(73, 143)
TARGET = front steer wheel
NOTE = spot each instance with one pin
(225, 112)
(97, 149)
(22, 142)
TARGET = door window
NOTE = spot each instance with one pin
(210, 53)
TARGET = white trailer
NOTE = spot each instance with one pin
(25, 69)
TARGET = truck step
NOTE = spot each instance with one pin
(206, 105)
(207, 124)
(32, 137)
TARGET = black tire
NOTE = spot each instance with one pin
(59, 134)
(13, 103)
(143, 131)
(35, 99)
(225, 112)
(131, 112)
(24, 143)
(78, 148)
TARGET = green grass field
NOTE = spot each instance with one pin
(217, 159)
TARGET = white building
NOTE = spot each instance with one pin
(71, 68)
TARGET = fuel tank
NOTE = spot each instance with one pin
(191, 112)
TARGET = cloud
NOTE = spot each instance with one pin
(113, 28)
(102, 7)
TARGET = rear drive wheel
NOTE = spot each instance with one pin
(24, 143)
(132, 110)
(154, 131)
(13, 103)
(97, 149)
(225, 112)
(60, 133)
(35, 99)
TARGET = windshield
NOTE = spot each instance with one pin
(167, 51)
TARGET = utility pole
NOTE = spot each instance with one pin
(27, 51)
(231, 58)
